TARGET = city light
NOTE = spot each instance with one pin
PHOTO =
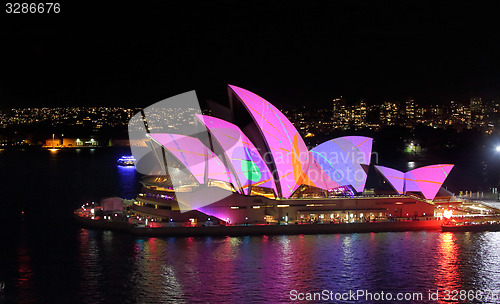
(468, 114)
(447, 214)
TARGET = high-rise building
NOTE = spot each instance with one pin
(360, 114)
(389, 113)
(456, 114)
(340, 112)
(409, 111)
(410, 108)
(476, 105)
(476, 112)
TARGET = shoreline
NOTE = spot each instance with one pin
(43, 148)
(292, 229)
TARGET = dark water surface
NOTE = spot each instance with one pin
(46, 258)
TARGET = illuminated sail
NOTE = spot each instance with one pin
(194, 155)
(248, 165)
(287, 147)
(342, 159)
(427, 180)
(395, 177)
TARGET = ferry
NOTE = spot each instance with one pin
(481, 224)
(126, 161)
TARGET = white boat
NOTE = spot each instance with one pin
(126, 161)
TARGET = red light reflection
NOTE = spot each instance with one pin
(447, 274)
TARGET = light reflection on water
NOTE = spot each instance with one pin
(448, 273)
(127, 181)
(117, 268)
(48, 263)
(25, 271)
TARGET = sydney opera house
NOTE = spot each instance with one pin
(251, 166)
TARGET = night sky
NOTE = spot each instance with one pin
(290, 52)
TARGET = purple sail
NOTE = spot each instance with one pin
(246, 162)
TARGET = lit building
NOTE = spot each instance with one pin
(389, 113)
(262, 171)
(360, 114)
(52, 143)
(476, 112)
(71, 143)
(341, 113)
(409, 111)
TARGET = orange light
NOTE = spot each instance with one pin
(447, 214)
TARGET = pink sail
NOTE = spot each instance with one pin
(318, 178)
(395, 177)
(427, 180)
(246, 162)
(287, 147)
(194, 155)
(342, 159)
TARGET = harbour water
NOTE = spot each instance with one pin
(46, 258)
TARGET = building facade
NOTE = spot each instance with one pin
(261, 171)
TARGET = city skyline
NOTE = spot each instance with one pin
(478, 113)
